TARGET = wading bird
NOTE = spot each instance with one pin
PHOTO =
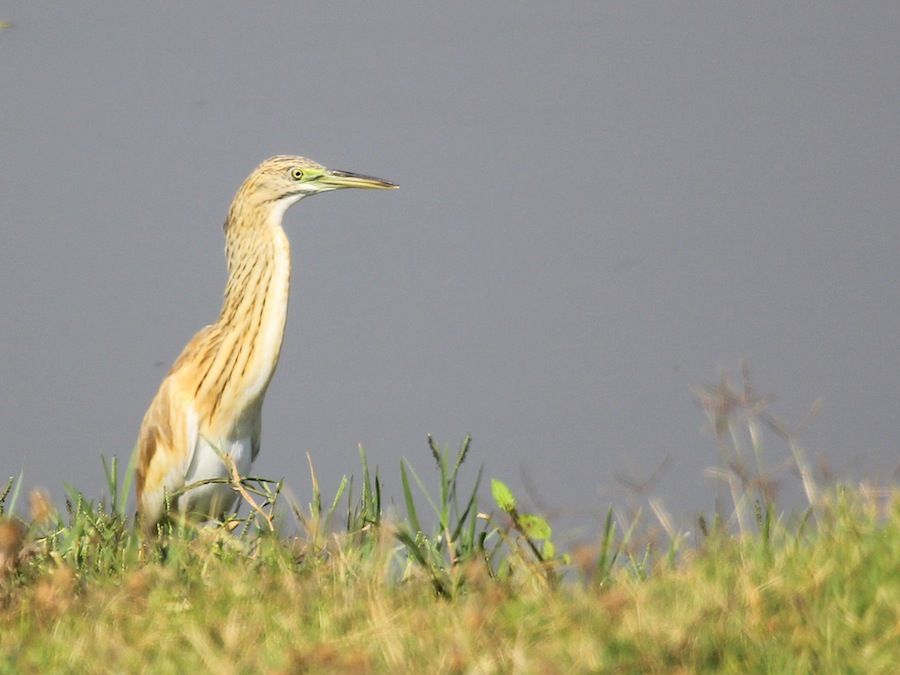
(209, 405)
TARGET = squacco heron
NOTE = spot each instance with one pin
(209, 405)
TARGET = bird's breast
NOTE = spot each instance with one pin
(213, 499)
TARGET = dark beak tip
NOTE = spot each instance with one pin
(362, 176)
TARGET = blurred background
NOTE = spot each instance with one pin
(603, 207)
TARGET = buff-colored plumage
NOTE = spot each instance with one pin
(210, 403)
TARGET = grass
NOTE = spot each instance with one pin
(343, 584)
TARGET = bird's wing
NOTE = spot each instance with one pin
(168, 435)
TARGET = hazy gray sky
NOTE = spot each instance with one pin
(601, 204)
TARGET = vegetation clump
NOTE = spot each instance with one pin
(349, 585)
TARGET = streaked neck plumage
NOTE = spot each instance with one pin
(245, 342)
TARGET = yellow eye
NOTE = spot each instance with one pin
(297, 174)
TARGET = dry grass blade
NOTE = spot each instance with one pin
(238, 484)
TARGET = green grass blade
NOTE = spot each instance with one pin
(11, 510)
(421, 485)
(411, 513)
(461, 456)
(130, 472)
(110, 470)
(376, 516)
(350, 523)
(334, 503)
(607, 557)
(441, 458)
(366, 485)
(469, 506)
(5, 493)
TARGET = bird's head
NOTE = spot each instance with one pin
(282, 181)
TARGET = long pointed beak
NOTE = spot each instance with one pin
(344, 179)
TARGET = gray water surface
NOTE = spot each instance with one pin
(601, 206)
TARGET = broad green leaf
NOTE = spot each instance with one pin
(535, 527)
(503, 496)
(548, 550)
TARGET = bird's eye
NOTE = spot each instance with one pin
(297, 174)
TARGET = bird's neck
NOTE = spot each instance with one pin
(251, 324)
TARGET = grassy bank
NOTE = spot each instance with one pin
(342, 584)
(820, 595)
